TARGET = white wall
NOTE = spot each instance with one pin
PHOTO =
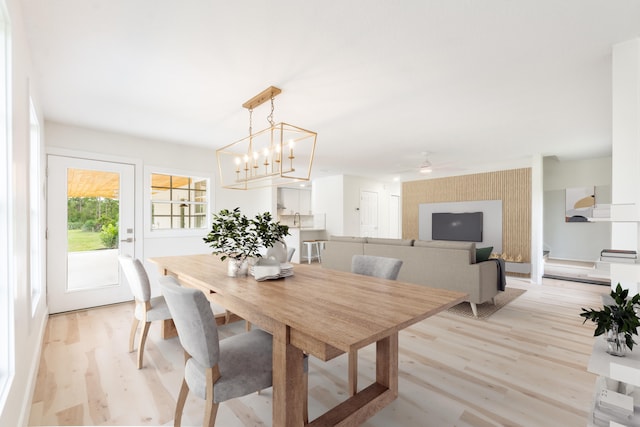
(151, 152)
(537, 218)
(164, 157)
(353, 185)
(251, 202)
(26, 330)
(90, 143)
(577, 240)
(626, 153)
(339, 198)
(327, 197)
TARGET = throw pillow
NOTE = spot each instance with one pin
(483, 254)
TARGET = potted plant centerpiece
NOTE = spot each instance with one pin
(619, 321)
(239, 238)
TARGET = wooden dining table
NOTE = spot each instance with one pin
(321, 312)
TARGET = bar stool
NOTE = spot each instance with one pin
(320, 248)
(309, 246)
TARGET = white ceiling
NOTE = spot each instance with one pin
(479, 84)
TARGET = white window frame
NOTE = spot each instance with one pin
(149, 232)
(36, 202)
(7, 285)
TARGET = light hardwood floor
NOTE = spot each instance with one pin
(523, 366)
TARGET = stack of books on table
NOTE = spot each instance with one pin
(618, 255)
(617, 407)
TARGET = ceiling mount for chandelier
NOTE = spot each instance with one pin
(280, 154)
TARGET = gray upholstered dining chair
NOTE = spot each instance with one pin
(375, 266)
(216, 370)
(147, 309)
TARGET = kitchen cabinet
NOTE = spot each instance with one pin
(291, 201)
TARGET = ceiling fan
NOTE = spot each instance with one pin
(426, 167)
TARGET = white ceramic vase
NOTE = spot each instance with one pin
(278, 252)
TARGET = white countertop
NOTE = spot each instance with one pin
(306, 229)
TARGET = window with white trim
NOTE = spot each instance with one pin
(7, 349)
(36, 268)
(178, 202)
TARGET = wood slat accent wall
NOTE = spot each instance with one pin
(513, 187)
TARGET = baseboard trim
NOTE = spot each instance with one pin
(25, 411)
(591, 281)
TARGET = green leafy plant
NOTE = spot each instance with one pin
(109, 236)
(236, 236)
(620, 317)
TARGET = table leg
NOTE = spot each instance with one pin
(288, 380)
(168, 329)
(387, 363)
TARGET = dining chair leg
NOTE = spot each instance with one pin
(211, 409)
(353, 372)
(210, 412)
(132, 334)
(182, 398)
(143, 339)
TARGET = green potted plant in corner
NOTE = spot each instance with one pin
(239, 238)
(619, 321)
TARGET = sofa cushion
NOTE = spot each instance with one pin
(396, 242)
(348, 239)
(446, 244)
(483, 254)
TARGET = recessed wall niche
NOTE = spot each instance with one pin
(512, 187)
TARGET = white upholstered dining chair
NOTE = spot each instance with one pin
(375, 266)
(147, 309)
(216, 370)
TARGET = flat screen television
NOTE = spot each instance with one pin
(463, 227)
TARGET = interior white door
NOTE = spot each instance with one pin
(395, 230)
(90, 221)
(368, 214)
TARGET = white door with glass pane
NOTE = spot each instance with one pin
(90, 222)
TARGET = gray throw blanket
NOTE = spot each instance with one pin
(502, 281)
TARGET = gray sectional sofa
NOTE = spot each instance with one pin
(438, 264)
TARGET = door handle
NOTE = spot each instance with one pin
(127, 240)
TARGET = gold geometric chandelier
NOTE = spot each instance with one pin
(279, 154)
